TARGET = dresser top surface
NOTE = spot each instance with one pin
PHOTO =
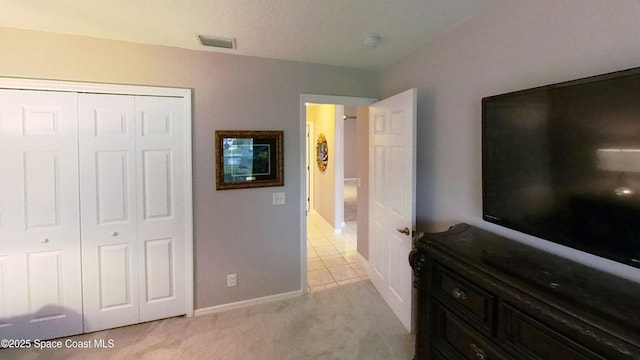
(609, 296)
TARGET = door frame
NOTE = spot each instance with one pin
(309, 154)
(98, 88)
(316, 99)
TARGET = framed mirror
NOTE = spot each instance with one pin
(322, 152)
(249, 159)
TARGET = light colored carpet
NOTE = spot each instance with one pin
(347, 322)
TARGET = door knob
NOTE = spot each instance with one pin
(115, 233)
(45, 240)
(405, 231)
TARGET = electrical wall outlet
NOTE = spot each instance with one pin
(232, 280)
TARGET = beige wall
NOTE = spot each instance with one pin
(236, 231)
(510, 45)
(350, 143)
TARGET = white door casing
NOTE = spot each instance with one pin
(40, 285)
(392, 151)
(309, 156)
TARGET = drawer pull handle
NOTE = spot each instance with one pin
(459, 294)
(480, 354)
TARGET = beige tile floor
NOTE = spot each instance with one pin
(332, 260)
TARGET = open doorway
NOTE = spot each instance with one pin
(334, 242)
(391, 172)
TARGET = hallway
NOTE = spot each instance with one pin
(332, 260)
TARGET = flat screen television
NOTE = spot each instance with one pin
(562, 163)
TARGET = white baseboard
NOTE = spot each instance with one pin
(336, 231)
(364, 262)
(245, 303)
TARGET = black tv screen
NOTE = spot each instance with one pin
(562, 162)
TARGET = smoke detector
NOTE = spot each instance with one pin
(219, 42)
(371, 41)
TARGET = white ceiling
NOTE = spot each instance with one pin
(316, 31)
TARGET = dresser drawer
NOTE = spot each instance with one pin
(533, 340)
(476, 301)
(457, 339)
(468, 300)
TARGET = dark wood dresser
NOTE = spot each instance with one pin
(482, 296)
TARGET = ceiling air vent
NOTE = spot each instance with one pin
(217, 42)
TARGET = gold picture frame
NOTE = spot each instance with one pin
(249, 159)
(322, 152)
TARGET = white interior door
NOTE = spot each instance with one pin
(161, 197)
(40, 285)
(133, 206)
(109, 217)
(392, 151)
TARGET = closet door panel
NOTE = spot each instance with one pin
(109, 219)
(4, 290)
(158, 191)
(39, 226)
(8, 166)
(41, 189)
(112, 186)
(115, 276)
(160, 282)
(45, 272)
(161, 182)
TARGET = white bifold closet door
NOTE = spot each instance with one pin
(132, 201)
(40, 270)
(93, 211)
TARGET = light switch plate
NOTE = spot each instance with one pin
(278, 198)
